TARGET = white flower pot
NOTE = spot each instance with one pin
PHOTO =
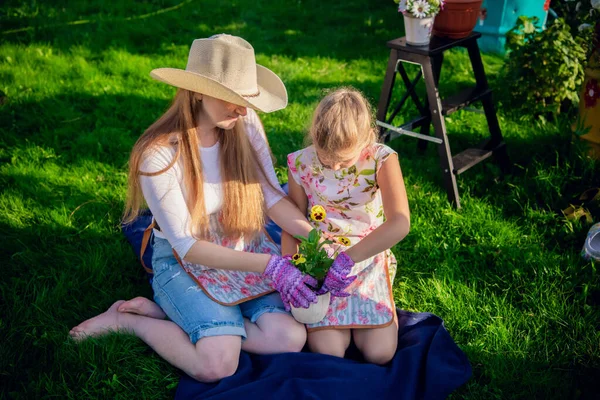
(315, 312)
(418, 30)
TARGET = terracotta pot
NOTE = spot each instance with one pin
(457, 19)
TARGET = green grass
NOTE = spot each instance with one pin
(504, 272)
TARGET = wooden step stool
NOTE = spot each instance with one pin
(430, 58)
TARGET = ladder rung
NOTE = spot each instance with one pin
(401, 131)
(468, 158)
(462, 99)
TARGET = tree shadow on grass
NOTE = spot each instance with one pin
(80, 126)
(55, 277)
(508, 376)
(349, 30)
(527, 332)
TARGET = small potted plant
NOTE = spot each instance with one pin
(418, 19)
(313, 259)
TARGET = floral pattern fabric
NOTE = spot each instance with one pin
(352, 200)
(232, 287)
(589, 107)
(592, 93)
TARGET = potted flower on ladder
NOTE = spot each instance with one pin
(418, 19)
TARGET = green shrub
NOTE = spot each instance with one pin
(544, 69)
(581, 16)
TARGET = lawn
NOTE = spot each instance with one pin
(504, 272)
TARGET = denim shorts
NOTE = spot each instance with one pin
(186, 304)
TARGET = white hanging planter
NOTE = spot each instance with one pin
(315, 312)
(418, 30)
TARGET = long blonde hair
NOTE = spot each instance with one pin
(342, 124)
(243, 211)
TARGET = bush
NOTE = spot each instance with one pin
(581, 16)
(544, 69)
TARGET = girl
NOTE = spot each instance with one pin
(205, 171)
(360, 185)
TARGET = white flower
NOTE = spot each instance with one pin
(420, 8)
(596, 4)
(402, 6)
(584, 27)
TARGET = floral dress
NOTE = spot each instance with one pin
(352, 200)
(232, 287)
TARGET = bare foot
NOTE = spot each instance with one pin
(142, 306)
(99, 325)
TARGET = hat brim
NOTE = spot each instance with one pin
(272, 93)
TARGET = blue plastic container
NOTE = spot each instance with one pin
(501, 17)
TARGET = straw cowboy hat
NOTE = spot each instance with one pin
(224, 67)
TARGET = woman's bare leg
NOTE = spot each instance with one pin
(334, 342)
(211, 359)
(274, 333)
(377, 345)
(143, 306)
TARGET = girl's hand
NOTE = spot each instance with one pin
(290, 283)
(337, 278)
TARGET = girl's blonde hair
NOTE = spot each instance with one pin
(342, 124)
(243, 211)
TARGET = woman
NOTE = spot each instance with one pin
(204, 169)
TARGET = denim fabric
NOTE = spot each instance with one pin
(186, 304)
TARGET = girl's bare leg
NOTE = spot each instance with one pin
(377, 345)
(274, 333)
(333, 342)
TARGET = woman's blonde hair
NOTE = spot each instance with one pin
(243, 211)
(342, 124)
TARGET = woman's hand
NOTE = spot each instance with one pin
(337, 278)
(291, 283)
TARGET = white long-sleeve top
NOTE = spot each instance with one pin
(165, 193)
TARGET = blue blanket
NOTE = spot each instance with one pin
(427, 365)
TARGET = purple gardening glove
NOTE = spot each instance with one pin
(337, 278)
(290, 283)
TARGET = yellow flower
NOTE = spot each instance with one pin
(298, 259)
(344, 240)
(317, 213)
